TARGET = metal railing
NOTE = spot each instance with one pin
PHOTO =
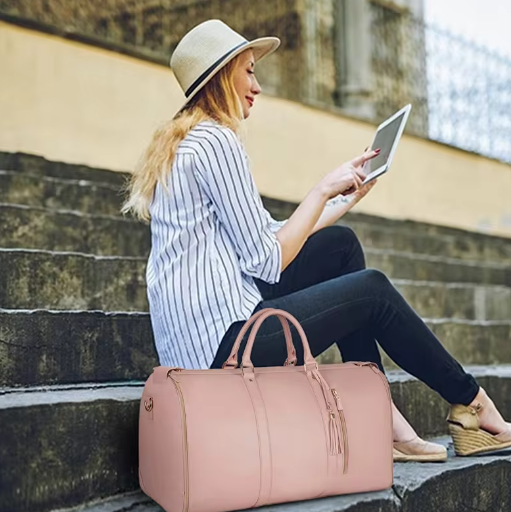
(461, 93)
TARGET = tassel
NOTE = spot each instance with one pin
(335, 435)
(345, 439)
(343, 426)
(333, 429)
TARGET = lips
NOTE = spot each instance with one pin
(250, 100)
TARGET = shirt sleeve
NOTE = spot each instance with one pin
(275, 225)
(222, 172)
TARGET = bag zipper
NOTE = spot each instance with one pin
(185, 434)
(376, 370)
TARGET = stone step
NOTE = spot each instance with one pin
(40, 166)
(104, 198)
(41, 347)
(66, 445)
(377, 232)
(422, 267)
(78, 205)
(62, 446)
(412, 236)
(60, 194)
(31, 227)
(416, 485)
(31, 278)
(470, 342)
(433, 299)
(46, 347)
(464, 245)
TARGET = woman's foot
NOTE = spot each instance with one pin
(478, 427)
(403, 431)
(408, 446)
(490, 418)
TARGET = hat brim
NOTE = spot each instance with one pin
(262, 47)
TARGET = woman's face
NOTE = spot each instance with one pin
(245, 82)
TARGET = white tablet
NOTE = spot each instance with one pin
(387, 136)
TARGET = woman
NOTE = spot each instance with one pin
(218, 256)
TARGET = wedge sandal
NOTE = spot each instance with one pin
(467, 435)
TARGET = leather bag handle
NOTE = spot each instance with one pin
(308, 358)
(232, 360)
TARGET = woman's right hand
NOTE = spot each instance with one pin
(347, 178)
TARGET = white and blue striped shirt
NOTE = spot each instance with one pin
(211, 235)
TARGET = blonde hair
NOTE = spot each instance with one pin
(218, 101)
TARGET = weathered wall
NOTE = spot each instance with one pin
(77, 103)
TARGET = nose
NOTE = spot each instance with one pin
(256, 89)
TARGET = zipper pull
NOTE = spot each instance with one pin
(334, 432)
(337, 399)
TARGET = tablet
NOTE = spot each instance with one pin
(387, 136)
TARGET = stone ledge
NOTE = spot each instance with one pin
(41, 278)
(103, 461)
(94, 197)
(40, 166)
(280, 209)
(418, 487)
(31, 227)
(102, 203)
(61, 226)
(284, 209)
(46, 347)
(32, 279)
(39, 347)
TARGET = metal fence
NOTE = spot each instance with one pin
(461, 93)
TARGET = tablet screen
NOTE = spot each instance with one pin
(384, 139)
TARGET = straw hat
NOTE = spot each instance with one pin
(206, 48)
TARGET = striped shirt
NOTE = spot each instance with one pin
(211, 236)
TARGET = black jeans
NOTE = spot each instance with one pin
(337, 300)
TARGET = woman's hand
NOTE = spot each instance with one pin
(347, 178)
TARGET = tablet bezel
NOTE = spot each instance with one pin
(384, 168)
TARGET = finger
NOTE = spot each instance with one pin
(353, 185)
(367, 155)
(360, 173)
(359, 180)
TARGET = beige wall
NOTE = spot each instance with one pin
(77, 103)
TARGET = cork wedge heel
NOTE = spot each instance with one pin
(467, 435)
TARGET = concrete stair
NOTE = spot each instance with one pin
(56, 346)
(87, 281)
(417, 488)
(95, 450)
(60, 194)
(76, 345)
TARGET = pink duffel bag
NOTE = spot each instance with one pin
(233, 438)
